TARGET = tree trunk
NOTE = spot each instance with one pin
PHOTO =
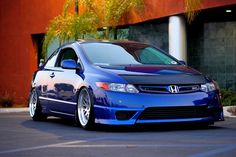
(115, 33)
(77, 7)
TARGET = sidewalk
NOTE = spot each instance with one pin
(13, 110)
(226, 113)
(25, 109)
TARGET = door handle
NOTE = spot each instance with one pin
(52, 75)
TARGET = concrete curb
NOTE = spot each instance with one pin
(26, 109)
(226, 113)
(13, 110)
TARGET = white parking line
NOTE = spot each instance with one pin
(39, 147)
(136, 145)
(48, 146)
(217, 148)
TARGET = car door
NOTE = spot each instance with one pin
(42, 81)
(64, 84)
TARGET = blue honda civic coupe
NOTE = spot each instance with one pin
(121, 83)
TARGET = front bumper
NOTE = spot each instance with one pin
(115, 108)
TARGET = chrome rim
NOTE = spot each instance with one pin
(33, 103)
(84, 106)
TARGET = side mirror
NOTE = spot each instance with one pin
(182, 62)
(69, 64)
(41, 62)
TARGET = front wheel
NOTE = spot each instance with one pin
(85, 110)
(35, 108)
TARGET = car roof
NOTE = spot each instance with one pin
(81, 41)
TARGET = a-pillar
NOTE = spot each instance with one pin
(177, 38)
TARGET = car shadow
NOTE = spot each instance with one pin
(54, 123)
(156, 127)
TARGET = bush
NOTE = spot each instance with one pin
(6, 100)
(228, 97)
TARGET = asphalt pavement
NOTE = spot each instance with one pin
(22, 137)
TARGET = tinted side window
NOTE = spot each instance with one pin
(66, 54)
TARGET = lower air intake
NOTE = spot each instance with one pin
(174, 112)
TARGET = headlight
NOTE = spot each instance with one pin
(208, 87)
(117, 87)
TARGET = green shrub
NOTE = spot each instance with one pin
(228, 97)
(6, 100)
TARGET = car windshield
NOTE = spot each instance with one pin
(126, 54)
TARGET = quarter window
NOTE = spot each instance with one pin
(52, 59)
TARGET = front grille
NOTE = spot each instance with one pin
(174, 112)
(165, 88)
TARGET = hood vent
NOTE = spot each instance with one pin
(178, 79)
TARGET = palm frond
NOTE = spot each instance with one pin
(192, 8)
(71, 26)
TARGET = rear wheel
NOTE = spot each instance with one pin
(85, 112)
(35, 109)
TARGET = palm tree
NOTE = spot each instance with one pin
(97, 14)
(69, 26)
(68, 3)
(110, 12)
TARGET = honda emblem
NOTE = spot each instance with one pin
(173, 89)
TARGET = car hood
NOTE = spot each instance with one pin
(145, 74)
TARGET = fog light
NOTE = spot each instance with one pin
(124, 115)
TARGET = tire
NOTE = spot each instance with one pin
(35, 108)
(85, 112)
(204, 125)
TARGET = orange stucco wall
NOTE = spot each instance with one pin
(19, 19)
(154, 9)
